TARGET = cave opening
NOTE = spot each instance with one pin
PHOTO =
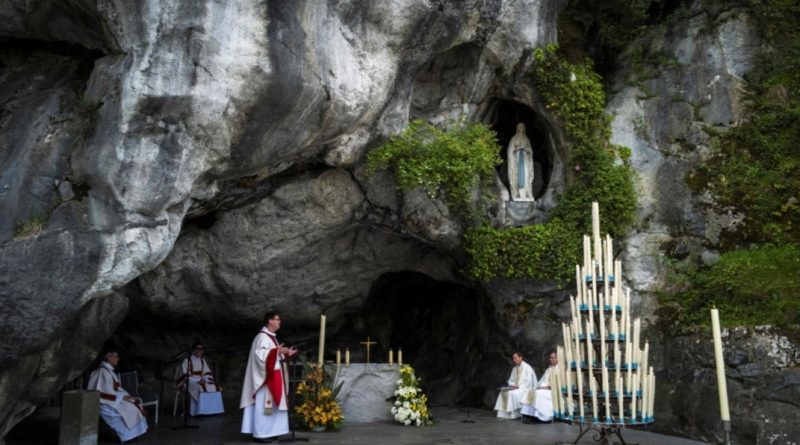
(444, 329)
(503, 119)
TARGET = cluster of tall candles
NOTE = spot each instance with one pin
(606, 379)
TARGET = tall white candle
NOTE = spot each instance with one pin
(579, 378)
(617, 359)
(594, 396)
(588, 349)
(644, 355)
(620, 400)
(321, 356)
(587, 257)
(627, 313)
(607, 393)
(399, 356)
(598, 256)
(391, 356)
(629, 365)
(634, 387)
(636, 352)
(609, 256)
(347, 356)
(338, 356)
(724, 410)
(652, 395)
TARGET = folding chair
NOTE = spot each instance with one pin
(130, 381)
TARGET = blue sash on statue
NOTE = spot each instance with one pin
(521, 169)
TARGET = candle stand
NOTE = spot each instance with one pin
(603, 383)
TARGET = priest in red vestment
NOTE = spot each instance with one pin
(265, 385)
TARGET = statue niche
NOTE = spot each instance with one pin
(520, 166)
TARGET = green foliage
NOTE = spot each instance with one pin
(452, 161)
(542, 251)
(750, 287)
(29, 228)
(756, 170)
(574, 93)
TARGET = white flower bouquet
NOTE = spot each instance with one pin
(410, 404)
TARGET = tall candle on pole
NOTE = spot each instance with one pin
(320, 356)
(724, 411)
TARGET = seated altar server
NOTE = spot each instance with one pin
(123, 413)
(537, 405)
(522, 379)
(205, 395)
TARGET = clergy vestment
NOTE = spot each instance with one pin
(508, 402)
(539, 401)
(265, 389)
(125, 418)
(205, 396)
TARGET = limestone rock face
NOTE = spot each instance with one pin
(660, 112)
(763, 387)
(238, 126)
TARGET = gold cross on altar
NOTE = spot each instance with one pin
(368, 344)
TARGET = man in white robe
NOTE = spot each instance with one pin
(537, 405)
(266, 384)
(123, 413)
(522, 379)
(205, 396)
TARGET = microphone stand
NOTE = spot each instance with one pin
(289, 406)
(468, 419)
(186, 396)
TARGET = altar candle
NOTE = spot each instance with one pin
(399, 356)
(338, 356)
(347, 356)
(578, 280)
(320, 356)
(724, 411)
(645, 384)
(391, 356)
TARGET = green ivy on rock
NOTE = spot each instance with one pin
(452, 161)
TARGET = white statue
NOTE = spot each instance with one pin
(520, 166)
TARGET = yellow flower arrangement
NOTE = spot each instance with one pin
(317, 406)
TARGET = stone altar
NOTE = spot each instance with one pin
(365, 388)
